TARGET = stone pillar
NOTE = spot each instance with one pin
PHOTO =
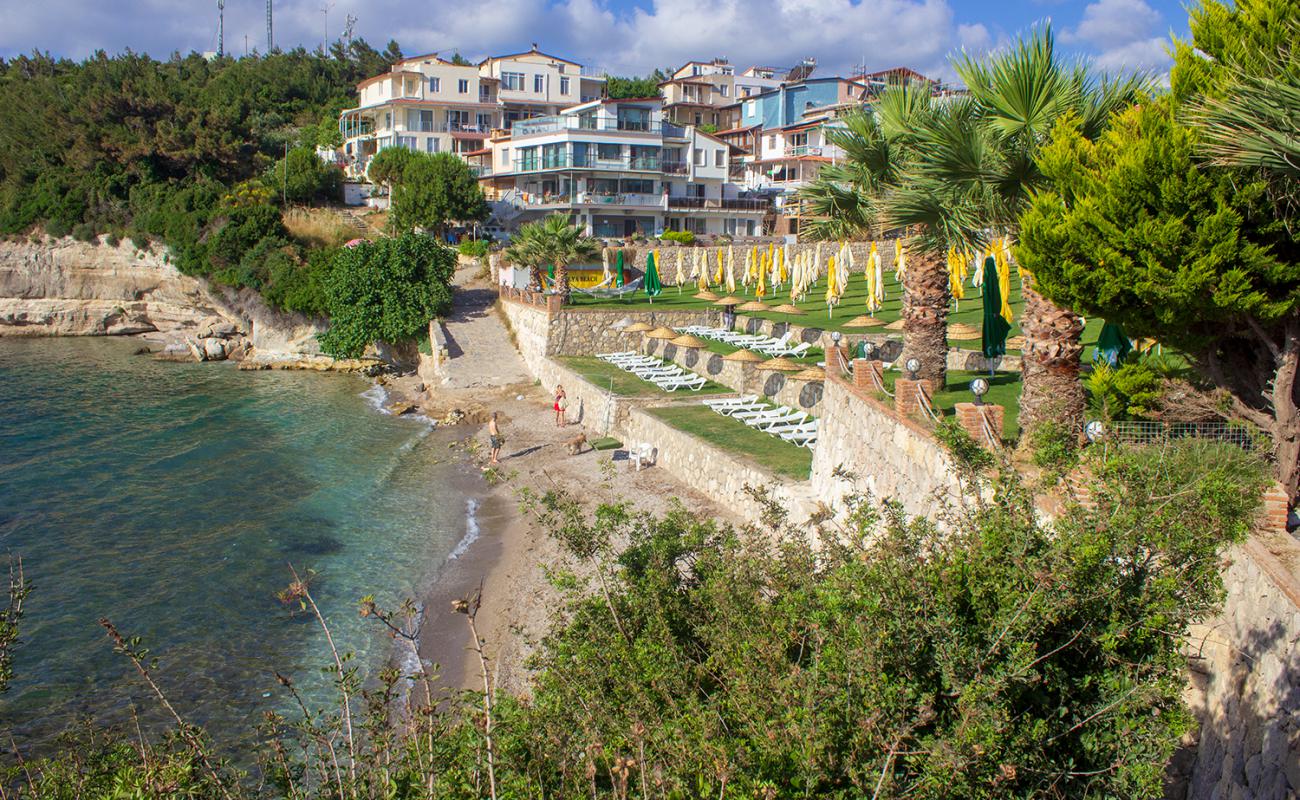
(554, 303)
(905, 400)
(968, 416)
(1275, 509)
(862, 370)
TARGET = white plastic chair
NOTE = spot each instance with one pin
(641, 454)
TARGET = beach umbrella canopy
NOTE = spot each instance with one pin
(1016, 343)
(786, 308)
(896, 325)
(781, 364)
(687, 340)
(652, 284)
(864, 322)
(706, 295)
(961, 332)
(729, 300)
(638, 327)
(755, 305)
(662, 333)
(1112, 344)
(809, 374)
(993, 342)
(618, 268)
(743, 356)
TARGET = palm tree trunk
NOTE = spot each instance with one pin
(1050, 365)
(562, 280)
(925, 317)
(535, 278)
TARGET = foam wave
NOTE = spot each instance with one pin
(376, 396)
(471, 530)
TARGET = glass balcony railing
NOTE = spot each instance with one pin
(540, 125)
(642, 164)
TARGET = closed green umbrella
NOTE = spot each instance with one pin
(993, 336)
(1112, 344)
(652, 285)
(550, 275)
(619, 267)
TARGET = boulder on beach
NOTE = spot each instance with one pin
(214, 349)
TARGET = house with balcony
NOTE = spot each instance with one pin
(424, 103)
(536, 84)
(706, 93)
(619, 169)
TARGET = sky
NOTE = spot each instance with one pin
(619, 36)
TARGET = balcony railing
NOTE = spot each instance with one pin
(717, 203)
(804, 150)
(622, 199)
(674, 167)
(643, 164)
(685, 202)
(539, 125)
(480, 170)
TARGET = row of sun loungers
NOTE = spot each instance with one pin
(668, 377)
(796, 427)
(751, 341)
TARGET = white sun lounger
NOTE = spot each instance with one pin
(752, 418)
(795, 351)
(731, 402)
(774, 344)
(692, 382)
(788, 422)
(796, 432)
(616, 356)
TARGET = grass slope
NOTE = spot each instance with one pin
(736, 437)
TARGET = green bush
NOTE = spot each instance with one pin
(386, 291)
(473, 248)
(112, 239)
(298, 286)
(57, 228)
(685, 237)
(1054, 448)
(307, 180)
(1130, 391)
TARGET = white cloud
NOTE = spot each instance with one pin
(1122, 34)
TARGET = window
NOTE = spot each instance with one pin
(699, 158)
(719, 158)
(417, 120)
(457, 120)
(715, 119)
(409, 142)
(695, 225)
(771, 142)
(699, 118)
(725, 89)
(799, 139)
(512, 80)
(637, 186)
(388, 120)
(431, 144)
(484, 121)
(462, 86)
(609, 152)
(435, 85)
(749, 108)
(564, 85)
(539, 83)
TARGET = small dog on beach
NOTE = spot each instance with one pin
(575, 444)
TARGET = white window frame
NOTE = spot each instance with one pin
(564, 85)
(539, 84)
(435, 84)
(431, 144)
(513, 81)
(719, 158)
(462, 86)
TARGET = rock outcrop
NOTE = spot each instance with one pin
(69, 288)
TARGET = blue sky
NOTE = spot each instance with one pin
(623, 36)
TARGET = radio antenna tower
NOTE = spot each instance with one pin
(270, 39)
(325, 40)
(348, 27)
(221, 28)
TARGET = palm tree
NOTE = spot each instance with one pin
(563, 244)
(965, 172)
(525, 250)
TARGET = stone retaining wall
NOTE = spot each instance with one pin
(892, 456)
(714, 472)
(743, 377)
(1245, 686)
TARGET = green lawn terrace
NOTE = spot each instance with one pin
(607, 376)
(733, 436)
(818, 315)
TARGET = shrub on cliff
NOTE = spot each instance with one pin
(386, 290)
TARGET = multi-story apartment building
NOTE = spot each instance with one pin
(708, 92)
(424, 103)
(429, 104)
(619, 169)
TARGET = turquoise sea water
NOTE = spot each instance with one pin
(170, 497)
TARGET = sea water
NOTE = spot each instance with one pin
(172, 498)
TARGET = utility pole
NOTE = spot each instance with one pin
(270, 39)
(221, 28)
(245, 45)
(284, 181)
(325, 40)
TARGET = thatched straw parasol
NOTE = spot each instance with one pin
(706, 295)
(864, 321)
(729, 300)
(786, 308)
(662, 333)
(961, 332)
(638, 327)
(1016, 343)
(896, 325)
(687, 340)
(810, 374)
(755, 305)
(781, 364)
(743, 356)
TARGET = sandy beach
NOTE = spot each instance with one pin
(509, 557)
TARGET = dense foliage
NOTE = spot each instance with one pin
(997, 656)
(177, 150)
(1140, 229)
(434, 190)
(385, 291)
(633, 87)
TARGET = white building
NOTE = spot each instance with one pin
(619, 169)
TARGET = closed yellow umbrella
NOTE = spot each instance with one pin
(900, 260)
(761, 291)
(605, 277)
(717, 279)
(680, 277)
(832, 275)
(874, 289)
(1004, 285)
(731, 269)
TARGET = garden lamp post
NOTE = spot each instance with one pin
(912, 365)
(979, 387)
